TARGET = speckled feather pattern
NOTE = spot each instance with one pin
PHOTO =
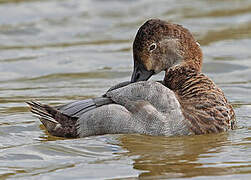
(203, 103)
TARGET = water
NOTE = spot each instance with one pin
(57, 51)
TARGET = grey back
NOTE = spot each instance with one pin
(144, 107)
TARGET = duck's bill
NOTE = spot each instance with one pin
(140, 73)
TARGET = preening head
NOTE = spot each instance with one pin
(160, 45)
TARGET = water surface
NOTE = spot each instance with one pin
(56, 51)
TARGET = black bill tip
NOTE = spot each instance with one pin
(140, 73)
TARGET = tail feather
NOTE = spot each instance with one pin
(41, 114)
(37, 109)
(62, 120)
(55, 122)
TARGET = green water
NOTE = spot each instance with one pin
(56, 51)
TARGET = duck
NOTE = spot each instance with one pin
(185, 102)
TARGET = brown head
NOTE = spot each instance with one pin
(160, 45)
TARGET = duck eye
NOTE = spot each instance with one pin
(152, 47)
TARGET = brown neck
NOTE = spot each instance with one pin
(178, 75)
(191, 65)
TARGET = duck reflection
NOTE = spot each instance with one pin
(175, 156)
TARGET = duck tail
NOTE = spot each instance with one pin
(55, 122)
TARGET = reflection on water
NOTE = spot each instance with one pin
(57, 51)
(178, 156)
